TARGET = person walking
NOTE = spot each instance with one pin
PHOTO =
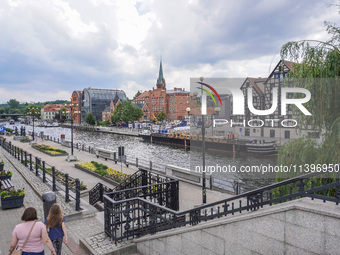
(55, 225)
(30, 235)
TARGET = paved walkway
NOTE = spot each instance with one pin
(92, 224)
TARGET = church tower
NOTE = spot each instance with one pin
(161, 81)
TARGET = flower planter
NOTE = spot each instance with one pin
(5, 177)
(12, 202)
(2, 167)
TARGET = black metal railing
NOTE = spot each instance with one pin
(143, 183)
(137, 216)
(48, 174)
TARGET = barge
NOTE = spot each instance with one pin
(235, 145)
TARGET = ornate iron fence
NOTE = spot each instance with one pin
(142, 183)
(133, 217)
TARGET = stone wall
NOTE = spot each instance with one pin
(298, 227)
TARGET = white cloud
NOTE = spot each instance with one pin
(57, 46)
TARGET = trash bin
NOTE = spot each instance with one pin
(49, 198)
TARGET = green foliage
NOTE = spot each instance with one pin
(13, 193)
(161, 116)
(137, 94)
(9, 130)
(13, 104)
(103, 123)
(126, 112)
(90, 119)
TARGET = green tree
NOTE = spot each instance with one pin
(13, 103)
(161, 116)
(90, 119)
(126, 112)
(316, 59)
(137, 94)
(62, 112)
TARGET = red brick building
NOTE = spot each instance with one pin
(173, 102)
(108, 111)
(76, 110)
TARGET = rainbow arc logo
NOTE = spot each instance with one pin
(204, 99)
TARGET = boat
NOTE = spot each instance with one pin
(235, 145)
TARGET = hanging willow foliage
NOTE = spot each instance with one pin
(318, 70)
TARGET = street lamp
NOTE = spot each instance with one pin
(72, 106)
(204, 190)
(32, 113)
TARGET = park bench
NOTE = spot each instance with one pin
(6, 184)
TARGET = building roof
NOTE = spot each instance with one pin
(258, 84)
(177, 90)
(160, 75)
(55, 107)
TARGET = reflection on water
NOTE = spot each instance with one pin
(164, 155)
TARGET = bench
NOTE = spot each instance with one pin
(6, 184)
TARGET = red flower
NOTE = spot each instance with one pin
(23, 188)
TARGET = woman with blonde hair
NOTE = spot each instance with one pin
(55, 225)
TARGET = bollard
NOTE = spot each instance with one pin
(136, 162)
(67, 194)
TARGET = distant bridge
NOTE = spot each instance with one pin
(13, 116)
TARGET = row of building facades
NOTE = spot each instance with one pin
(102, 102)
(176, 102)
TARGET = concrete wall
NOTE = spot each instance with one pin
(299, 227)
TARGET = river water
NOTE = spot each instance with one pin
(162, 155)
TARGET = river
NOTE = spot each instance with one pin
(164, 155)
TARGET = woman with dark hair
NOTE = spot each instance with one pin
(36, 233)
(55, 225)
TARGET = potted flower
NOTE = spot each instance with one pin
(12, 198)
(5, 174)
(2, 163)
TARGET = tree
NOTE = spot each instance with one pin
(62, 113)
(137, 94)
(126, 112)
(316, 59)
(13, 103)
(89, 119)
(161, 116)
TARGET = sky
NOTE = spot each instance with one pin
(48, 49)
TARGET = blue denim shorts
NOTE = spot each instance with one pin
(33, 253)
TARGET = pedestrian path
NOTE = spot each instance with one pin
(81, 228)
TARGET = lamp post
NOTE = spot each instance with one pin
(32, 113)
(204, 190)
(72, 106)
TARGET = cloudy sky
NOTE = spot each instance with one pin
(50, 48)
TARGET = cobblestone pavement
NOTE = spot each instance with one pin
(91, 228)
(77, 229)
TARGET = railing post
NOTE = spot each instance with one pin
(31, 169)
(136, 162)
(15, 151)
(67, 194)
(54, 188)
(21, 156)
(25, 158)
(36, 166)
(101, 192)
(44, 171)
(150, 165)
(77, 195)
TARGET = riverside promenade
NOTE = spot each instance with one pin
(88, 224)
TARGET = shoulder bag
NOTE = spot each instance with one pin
(19, 252)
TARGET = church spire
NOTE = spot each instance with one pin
(160, 79)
